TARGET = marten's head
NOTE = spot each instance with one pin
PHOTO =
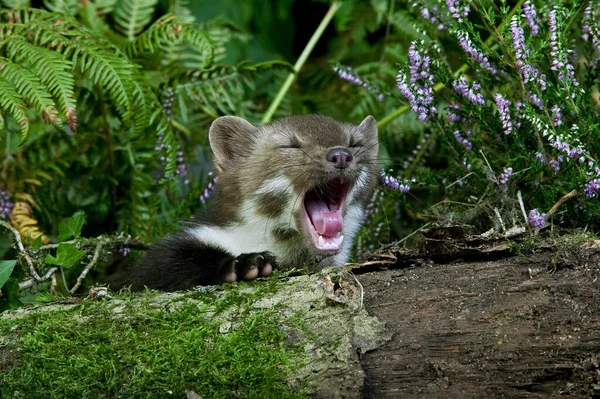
(302, 177)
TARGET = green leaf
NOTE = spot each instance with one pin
(10, 292)
(66, 256)
(37, 244)
(6, 268)
(71, 227)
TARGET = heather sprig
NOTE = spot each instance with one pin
(432, 15)
(458, 10)
(417, 85)
(348, 73)
(393, 183)
(531, 15)
(504, 113)
(467, 45)
(560, 55)
(470, 93)
(537, 219)
(210, 188)
(529, 72)
(503, 178)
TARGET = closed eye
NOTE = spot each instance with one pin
(294, 143)
(356, 144)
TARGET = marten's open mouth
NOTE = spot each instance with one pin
(323, 209)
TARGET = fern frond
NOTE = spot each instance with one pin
(61, 5)
(15, 3)
(29, 86)
(180, 8)
(105, 6)
(12, 102)
(223, 86)
(144, 100)
(168, 30)
(112, 73)
(53, 71)
(132, 16)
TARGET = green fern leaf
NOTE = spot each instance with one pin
(52, 69)
(11, 102)
(62, 5)
(168, 31)
(223, 87)
(144, 101)
(29, 86)
(132, 16)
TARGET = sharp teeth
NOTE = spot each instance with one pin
(321, 241)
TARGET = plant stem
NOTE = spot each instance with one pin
(387, 119)
(301, 60)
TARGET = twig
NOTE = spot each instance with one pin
(89, 266)
(22, 249)
(497, 212)
(520, 198)
(53, 284)
(561, 201)
(28, 283)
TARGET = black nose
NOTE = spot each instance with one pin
(339, 157)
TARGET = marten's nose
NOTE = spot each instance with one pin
(339, 157)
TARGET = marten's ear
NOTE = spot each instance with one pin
(368, 127)
(231, 138)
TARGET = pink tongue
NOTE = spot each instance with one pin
(326, 223)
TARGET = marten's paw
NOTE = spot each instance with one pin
(250, 266)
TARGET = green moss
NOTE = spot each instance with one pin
(93, 351)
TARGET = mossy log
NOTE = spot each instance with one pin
(288, 337)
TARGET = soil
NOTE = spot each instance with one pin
(508, 327)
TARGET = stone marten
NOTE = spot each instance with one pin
(291, 194)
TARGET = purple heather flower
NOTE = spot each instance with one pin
(591, 188)
(504, 112)
(505, 175)
(393, 183)
(563, 146)
(560, 63)
(5, 205)
(457, 10)
(463, 141)
(557, 115)
(555, 165)
(168, 103)
(349, 74)
(181, 168)
(585, 28)
(211, 187)
(419, 92)
(530, 73)
(531, 16)
(536, 219)
(433, 16)
(125, 251)
(536, 101)
(467, 45)
(461, 87)
(540, 157)
(455, 117)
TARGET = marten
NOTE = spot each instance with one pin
(291, 194)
